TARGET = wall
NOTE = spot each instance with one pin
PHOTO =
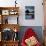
(36, 29)
(38, 21)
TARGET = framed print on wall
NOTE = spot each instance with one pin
(5, 12)
(29, 12)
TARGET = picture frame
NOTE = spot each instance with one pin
(29, 12)
(5, 12)
(13, 12)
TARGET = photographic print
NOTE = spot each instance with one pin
(29, 12)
